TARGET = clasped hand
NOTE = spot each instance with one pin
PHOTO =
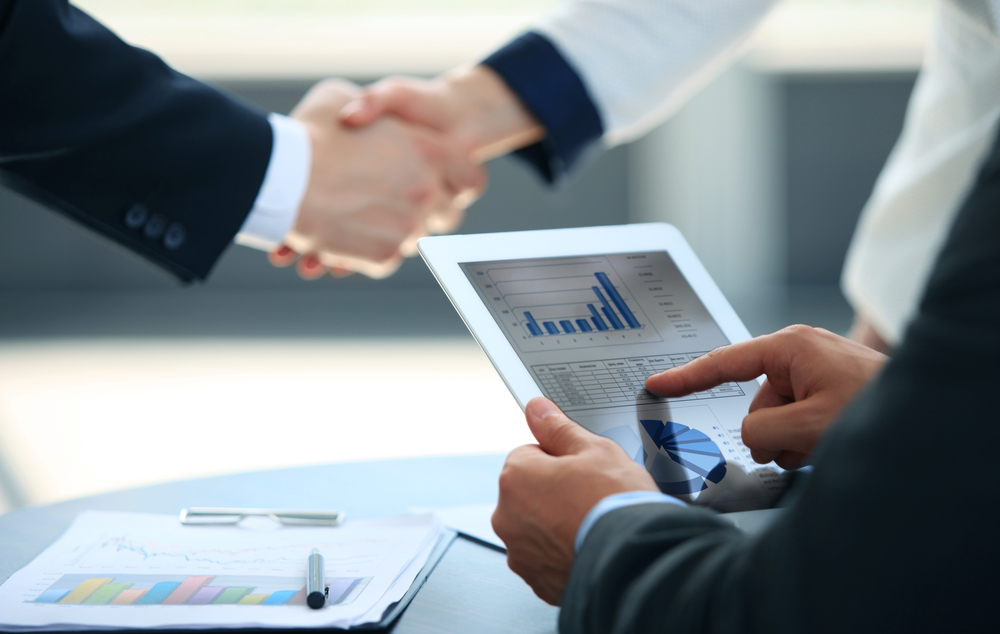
(397, 161)
(373, 191)
(547, 489)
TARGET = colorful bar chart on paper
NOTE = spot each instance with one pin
(141, 590)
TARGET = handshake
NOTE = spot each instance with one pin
(394, 162)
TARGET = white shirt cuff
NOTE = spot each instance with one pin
(615, 502)
(285, 181)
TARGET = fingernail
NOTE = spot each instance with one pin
(348, 110)
(352, 109)
(542, 408)
(653, 376)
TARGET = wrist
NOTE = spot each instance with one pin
(491, 120)
(283, 188)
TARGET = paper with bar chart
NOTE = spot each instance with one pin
(130, 570)
(592, 329)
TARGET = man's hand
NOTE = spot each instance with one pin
(862, 331)
(372, 192)
(473, 106)
(811, 374)
(547, 489)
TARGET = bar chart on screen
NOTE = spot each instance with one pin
(581, 304)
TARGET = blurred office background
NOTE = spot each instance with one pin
(113, 375)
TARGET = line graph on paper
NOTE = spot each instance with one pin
(127, 551)
(127, 548)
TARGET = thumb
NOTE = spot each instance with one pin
(414, 101)
(389, 96)
(556, 434)
(361, 111)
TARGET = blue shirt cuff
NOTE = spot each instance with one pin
(554, 92)
(615, 502)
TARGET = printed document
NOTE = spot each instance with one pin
(132, 570)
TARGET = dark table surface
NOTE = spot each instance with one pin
(470, 590)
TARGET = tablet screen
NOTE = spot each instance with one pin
(591, 329)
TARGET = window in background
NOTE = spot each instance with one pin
(316, 38)
(369, 38)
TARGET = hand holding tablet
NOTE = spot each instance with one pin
(584, 316)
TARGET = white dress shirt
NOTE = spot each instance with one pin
(284, 186)
(951, 122)
(640, 59)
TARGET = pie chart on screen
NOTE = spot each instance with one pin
(686, 459)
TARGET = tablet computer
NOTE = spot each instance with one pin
(584, 316)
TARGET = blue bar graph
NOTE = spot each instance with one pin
(52, 596)
(533, 325)
(617, 299)
(611, 313)
(615, 322)
(158, 593)
(607, 310)
(598, 322)
(280, 598)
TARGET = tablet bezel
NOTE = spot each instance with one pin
(444, 254)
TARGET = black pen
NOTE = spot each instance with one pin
(315, 595)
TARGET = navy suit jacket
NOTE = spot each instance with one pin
(111, 136)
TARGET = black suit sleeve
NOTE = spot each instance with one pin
(896, 530)
(110, 135)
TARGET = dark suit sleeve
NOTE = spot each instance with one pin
(896, 529)
(111, 136)
(554, 92)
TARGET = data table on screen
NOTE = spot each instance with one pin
(614, 382)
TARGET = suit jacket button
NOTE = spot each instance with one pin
(175, 236)
(155, 227)
(136, 216)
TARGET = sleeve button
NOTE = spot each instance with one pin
(136, 216)
(155, 227)
(175, 236)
